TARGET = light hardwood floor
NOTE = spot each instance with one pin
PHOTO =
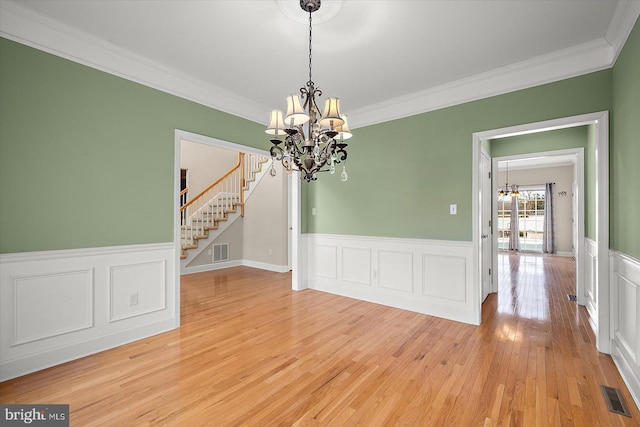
(252, 352)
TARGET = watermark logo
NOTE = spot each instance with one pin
(34, 415)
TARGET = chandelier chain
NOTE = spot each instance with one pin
(310, 46)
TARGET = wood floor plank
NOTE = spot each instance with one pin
(252, 352)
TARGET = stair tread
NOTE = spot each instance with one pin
(210, 211)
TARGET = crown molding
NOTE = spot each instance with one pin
(582, 59)
(32, 29)
(19, 24)
(621, 25)
(562, 64)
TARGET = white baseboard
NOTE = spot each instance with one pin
(47, 359)
(212, 266)
(236, 263)
(82, 300)
(624, 279)
(266, 266)
(565, 254)
(629, 376)
(427, 276)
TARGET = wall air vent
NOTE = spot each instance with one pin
(221, 252)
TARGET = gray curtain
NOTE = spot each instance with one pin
(548, 237)
(514, 229)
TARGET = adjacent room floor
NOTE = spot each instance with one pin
(252, 352)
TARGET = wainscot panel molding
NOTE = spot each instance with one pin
(625, 313)
(426, 276)
(57, 306)
(590, 281)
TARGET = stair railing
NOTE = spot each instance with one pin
(183, 196)
(252, 165)
(202, 213)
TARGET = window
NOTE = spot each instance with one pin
(530, 219)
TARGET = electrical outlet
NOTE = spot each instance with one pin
(313, 211)
(133, 299)
(270, 251)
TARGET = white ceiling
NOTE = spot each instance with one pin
(384, 59)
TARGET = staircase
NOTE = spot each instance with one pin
(218, 204)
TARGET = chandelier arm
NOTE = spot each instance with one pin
(328, 149)
(276, 152)
(341, 150)
(299, 165)
(294, 148)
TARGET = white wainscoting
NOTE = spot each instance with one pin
(591, 281)
(625, 325)
(427, 276)
(57, 306)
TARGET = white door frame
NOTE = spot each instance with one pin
(297, 249)
(601, 122)
(294, 204)
(488, 269)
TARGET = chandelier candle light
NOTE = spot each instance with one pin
(322, 146)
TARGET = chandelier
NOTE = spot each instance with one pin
(514, 188)
(322, 146)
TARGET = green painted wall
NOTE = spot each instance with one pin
(79, 147)
(561, 139)
(576, 137)
(624, 150)
(86, 158)
(404, 174)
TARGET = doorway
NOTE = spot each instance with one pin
(537, 193)
(600, 121)
(293, 206)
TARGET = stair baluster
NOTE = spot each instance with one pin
(203, 213)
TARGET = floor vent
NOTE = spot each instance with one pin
(221, 252)
(572, 298)
(615, 401)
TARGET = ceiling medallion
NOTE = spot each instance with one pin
(322, 146)
(292, 10)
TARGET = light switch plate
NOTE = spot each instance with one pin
(453, 209)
